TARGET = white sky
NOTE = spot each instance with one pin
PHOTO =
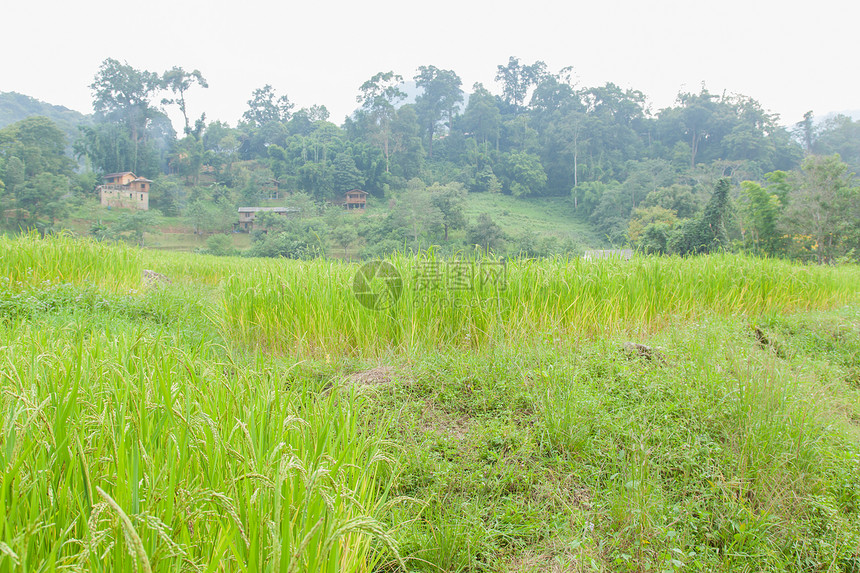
(791, 56)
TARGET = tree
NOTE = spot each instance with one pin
(805, 129)
(178, 81)
(676, 197)
(566, 139)
(760, 210)
(643, 217)
(415, 211)
(36, 169)
(42, 196)
(517, 79)
(378, 98)
(823, 205)
(138, 223)
(40, 145)
(707, 232)
(346, 174)
(266, 107)
(525, 174)
(220, 246)
(840, 134)
(695, 117)
(482, 118)
(187, 158)
(439, 99)
(450, 200)
(344, 235)
(485, 233)
(122, 95)
(406, 150)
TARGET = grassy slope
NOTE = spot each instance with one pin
(550, 216)
(737, 449)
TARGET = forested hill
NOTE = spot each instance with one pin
(711, 171)
(15, 107)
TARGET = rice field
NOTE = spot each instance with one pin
(256, 415)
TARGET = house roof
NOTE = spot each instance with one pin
(358, 191)
(121, 173)
(144, 179)
(270, 209)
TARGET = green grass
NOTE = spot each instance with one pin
(251, 416)
(132, 437)
(288, 305)
(546, 216)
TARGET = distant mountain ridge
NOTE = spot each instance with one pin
(14, 107)
(852, 113)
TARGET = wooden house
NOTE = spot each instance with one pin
(125, 190)
(355, 199)
(247, 216)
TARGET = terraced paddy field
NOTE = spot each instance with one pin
(175, 412)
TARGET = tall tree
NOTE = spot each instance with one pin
(178, 81)
(805, 129)
(346, 174)
(450, 200)
(439, 99)
(517, 79)
(378, 98)
(707, 232)
(840, 134)
(823, 205)
(123, 95)
(482, 118)
(265, 107)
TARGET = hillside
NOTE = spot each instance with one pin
(15, 107)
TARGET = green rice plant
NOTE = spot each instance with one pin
(129, 444)
(33, 260)
(308, 307)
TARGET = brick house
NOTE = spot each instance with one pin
(125, 190)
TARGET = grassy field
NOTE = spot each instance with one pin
(254, 415)
(545, 217)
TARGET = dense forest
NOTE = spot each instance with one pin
(714, 171)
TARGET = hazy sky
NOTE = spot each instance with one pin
(791, 56)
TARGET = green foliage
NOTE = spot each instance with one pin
(441, 94)
(220, 246)
(137, 224)
(645, 217)
(35, 171)
(761, 211)
(705, 233)
(178, 81)
(524, 174)
(824, 206)
(265, 107)
(346, 176)
(485, 234)
(449, 200)
(417, 213)
(541, 136)
(289, 238)
(129, 128)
